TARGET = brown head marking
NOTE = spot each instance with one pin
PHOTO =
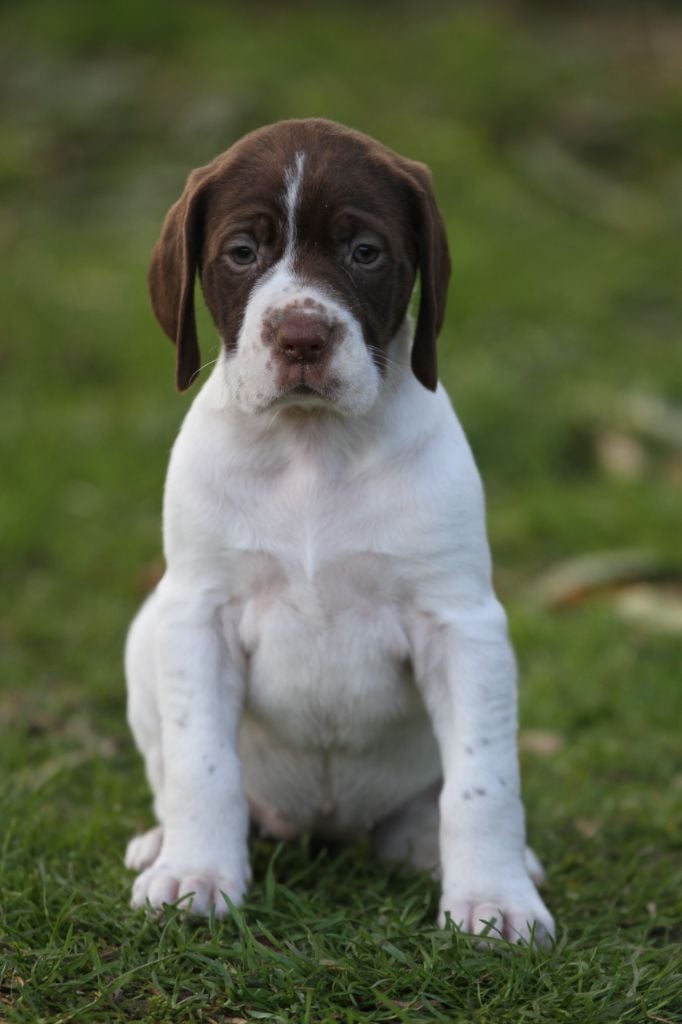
(352, 187)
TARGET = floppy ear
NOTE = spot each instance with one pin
(172, 272)
(434, 273)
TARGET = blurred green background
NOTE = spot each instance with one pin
(554, 138)
(553, 132)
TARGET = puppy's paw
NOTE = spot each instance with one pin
(504, 908)
(142, 851)
(198, 890)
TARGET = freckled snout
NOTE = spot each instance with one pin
(302, 338)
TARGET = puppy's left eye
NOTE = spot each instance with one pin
(366, 253)
(242, 255)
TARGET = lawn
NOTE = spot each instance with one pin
(554, 142)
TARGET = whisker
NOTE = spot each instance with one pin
(397, 372)
(204, 366)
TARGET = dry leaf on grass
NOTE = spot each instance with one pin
(574, 581)
(654, 418)
(620, 455)
(656, 608)
(541, 742)
(587, 827)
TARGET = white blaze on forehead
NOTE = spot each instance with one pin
(293, 176)
(253, 378)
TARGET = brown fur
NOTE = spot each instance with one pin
(351, 182)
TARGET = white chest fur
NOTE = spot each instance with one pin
(328, 661)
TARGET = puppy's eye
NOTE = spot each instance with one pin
(366, 254)
(242, 255)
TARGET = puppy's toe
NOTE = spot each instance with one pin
(198, 892)
(537, 930)
(512, 911)
(487, 919)
(162, 889)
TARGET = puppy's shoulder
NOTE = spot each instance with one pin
(430, 428)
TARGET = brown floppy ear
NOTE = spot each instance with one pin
(172, 272)
(434, 273)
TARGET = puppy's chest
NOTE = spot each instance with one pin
(317, 607)
(326, 654)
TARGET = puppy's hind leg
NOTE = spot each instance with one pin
(143, 717)
(142, 850)
(409, 836)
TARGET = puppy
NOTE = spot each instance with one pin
(325, 651)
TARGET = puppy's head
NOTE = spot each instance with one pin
(307, 238)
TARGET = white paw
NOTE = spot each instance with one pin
(509, 909)
(198, 890)
(142, 851)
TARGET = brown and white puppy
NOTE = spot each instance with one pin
(325, 651)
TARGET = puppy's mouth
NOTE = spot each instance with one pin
(307, 386)
(307, 396)
(303, 390)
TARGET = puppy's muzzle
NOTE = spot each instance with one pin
(301, 338)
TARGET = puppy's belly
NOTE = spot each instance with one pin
(334, 735)
(335, 793)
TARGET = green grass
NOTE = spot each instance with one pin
(555, 147)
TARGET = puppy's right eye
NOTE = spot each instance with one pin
(242, 255)
(366, 254)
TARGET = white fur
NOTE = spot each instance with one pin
(325, 644)
(293, 177)
(251, 371)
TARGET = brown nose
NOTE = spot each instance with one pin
(302, 338)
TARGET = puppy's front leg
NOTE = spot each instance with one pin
(468, 678)
(205, 816)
